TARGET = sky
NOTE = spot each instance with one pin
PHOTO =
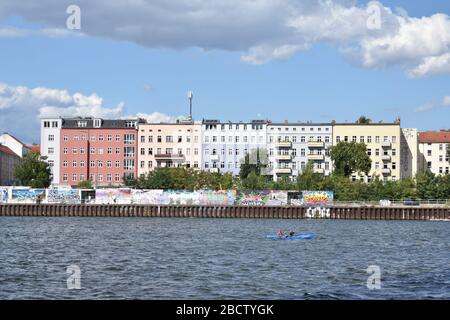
(243, 59)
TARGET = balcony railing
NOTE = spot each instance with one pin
(283, 170)
(316, 144)
(169, 156)
(283, 144)
(386, 171)
(386, 144)
(319, 170)
(386, 158)
(316, 157)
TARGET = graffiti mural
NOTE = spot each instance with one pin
(113, 196)
(261, 198)
(312, 198)
(222, 197)
(27, 195)
(147, 196)
(3, 195)
(72, 196)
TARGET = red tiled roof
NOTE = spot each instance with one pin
(4, 149)
(434, 137)
(34, 148)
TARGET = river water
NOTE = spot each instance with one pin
(188, 258)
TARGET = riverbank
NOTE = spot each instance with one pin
(252, 212)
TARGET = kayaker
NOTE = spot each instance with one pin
(291, 233)
(280, 233)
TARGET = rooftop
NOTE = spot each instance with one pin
(6, 150)
(442, 136)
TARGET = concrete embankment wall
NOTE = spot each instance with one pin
(358, 213)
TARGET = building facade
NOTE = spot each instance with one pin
(433, 151)
(409, 148)
(102, 151)
(225, 144)
(383, 141)
(14, 144)
(168, 145)
(51, 144)
(8, 162)
(292, 145)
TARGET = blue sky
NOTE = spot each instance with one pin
(319, 83)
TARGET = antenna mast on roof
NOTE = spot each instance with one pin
(190, 97)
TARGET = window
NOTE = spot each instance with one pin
(92, 150)
(92, 163)
(65, 163)
(54, 124)
(51, 150)
(82, 164)
(394, 165)
(117, 137)
(338, 139)
(369, 139)
(81, 177)
(108, 177)
(81, 124)
(51, 137)
(109, 150)
(74, 150)
(100, 138)
(92, 138)
(159, 139)
(128, 138)
(65, 137)
(65, 177)
(361, 139)
(116, 177)
(377, 139)
(128, 152)
(117, 164)
(46, 124)
(82, 150)
(74, 177)
(117, 150)
(74, 164)
(429, 164)
(429, 152)
(150, 164)
(394, 152)
(169, 139)
(100, 177)
(142, 139)
(109, 137)
(97, 123)
(142, 151)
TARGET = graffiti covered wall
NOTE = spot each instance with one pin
(71, 196)
(312, 198)
(4, 195)
(113, 196)
(26, 195)
(261, 198)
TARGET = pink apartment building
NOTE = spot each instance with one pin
(99, 150)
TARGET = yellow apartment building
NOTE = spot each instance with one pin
(383, 141)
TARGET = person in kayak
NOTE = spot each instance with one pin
(280, 233)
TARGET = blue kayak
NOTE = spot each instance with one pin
(300, 236)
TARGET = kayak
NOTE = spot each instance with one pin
(300, 236)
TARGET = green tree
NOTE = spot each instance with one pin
(426, 184)
(308, 179)
(363, 120)
(255, 161)
(349, 157)
(86, 184)
(33, 171)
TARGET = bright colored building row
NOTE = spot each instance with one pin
(104, 151)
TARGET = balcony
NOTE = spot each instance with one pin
(316, 157)
(283, 144)
(386, 171)
(214, 170)
(386, 144)
(386, 158)
(168, 156)
(214, 157)
(316, 144)
(283, 157)
(319, 170)
(283, 170)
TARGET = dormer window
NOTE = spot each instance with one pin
(97, 123)
(82, 124)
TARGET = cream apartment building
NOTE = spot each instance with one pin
(433, 146)
(383, 141)
(169, 145)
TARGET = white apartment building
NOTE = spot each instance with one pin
(433, 155)
(292, 145)
(50, 145)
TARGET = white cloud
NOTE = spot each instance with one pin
(433, 106)
(432, 65)
(263, 30)
(13, 32)
(156, 117)
(21, 107)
